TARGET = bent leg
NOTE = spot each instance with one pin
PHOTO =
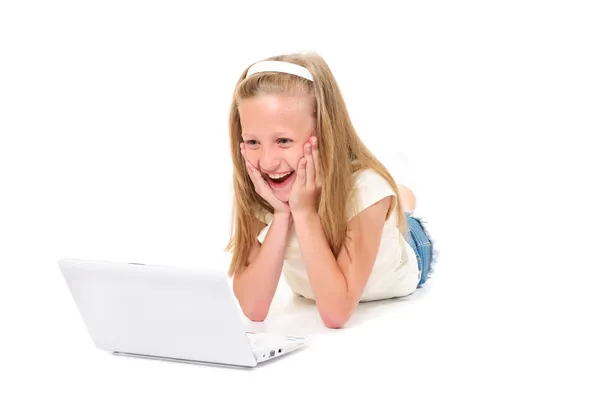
(408, 198)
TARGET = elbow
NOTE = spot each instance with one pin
(254, 309)
(333, 323)
(256, 312)
(335, 318)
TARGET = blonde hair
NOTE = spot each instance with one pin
(341, 152)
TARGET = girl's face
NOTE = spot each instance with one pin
(274, 131)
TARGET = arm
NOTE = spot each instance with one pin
(255, 287)
(338, 283)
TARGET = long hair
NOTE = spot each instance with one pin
(341, 154)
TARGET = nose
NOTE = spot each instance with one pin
(269, 160)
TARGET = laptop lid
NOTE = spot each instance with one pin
(171, 312)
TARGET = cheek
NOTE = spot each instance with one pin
(295, 157)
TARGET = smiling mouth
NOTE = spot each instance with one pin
(278, 178)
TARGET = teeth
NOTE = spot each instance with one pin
(279, 175)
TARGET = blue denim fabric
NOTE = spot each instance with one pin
(421, 242)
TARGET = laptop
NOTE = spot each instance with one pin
(166, 312)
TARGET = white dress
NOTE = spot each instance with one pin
(395, 272)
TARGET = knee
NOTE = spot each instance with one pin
(407, 197)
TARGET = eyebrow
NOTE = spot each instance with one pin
(273, 134)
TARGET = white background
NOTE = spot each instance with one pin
(114, 146)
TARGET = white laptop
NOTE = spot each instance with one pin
(166, 312)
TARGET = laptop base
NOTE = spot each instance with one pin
(179, 360)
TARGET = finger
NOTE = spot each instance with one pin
(251, 168)
(252, 172)
(310, 166)
(257, 178)
(316, 161)
(243, 151)
(301, 177)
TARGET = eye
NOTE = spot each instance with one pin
(284, 141)
(251, 142)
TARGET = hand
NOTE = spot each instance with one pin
(262, 188)
(307, 187)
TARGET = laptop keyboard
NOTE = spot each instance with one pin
(258, 339)
(269, 340)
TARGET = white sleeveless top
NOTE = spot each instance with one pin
(395, 272)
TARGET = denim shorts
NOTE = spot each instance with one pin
(419, 239)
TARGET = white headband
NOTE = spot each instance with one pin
(279, 66)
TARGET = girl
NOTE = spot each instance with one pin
(311, 201)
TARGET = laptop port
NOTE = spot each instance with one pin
(272, 354)
(279, 352)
